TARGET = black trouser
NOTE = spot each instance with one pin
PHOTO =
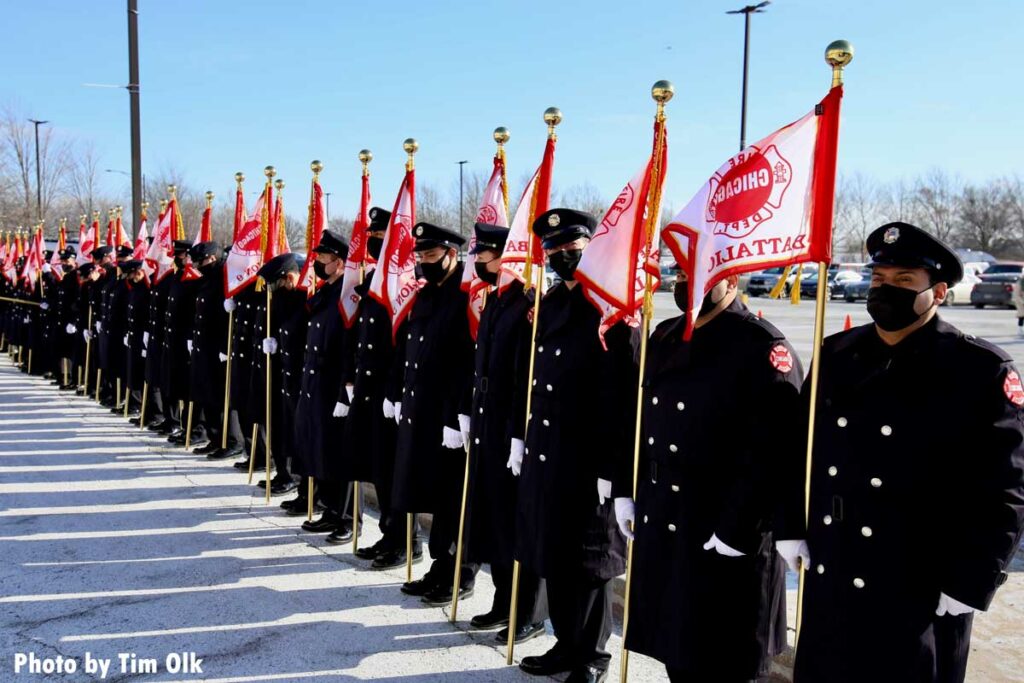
(337, 498)
(952, 647)
(531, 607)
(444, 526)
(580, 607)
(392, 523)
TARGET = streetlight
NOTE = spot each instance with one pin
(746, 12)
(328, 209)
(39, 182)
(461, 164)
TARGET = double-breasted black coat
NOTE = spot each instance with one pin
(436, 365)
(155, 328)
(242, 351)
(581, 429)
(179, 313)
(317, 431)
(67, 290)
(721, 418)
(501, 362)
(369, 437)
(907, 502)
(138, 325)
(209, 337)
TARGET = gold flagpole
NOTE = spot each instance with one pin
(239, 179)
(838, 54)
(501, 136)
(88, 348)
(99, 383)
(19, 301)
(188, 426)
(552, 117)
(117, 392)
(142, 410)
(411, 147)
(252, 450)
(661, 92)
(127, 395)
(365, 157)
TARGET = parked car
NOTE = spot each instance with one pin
(668, 274)
(858, 289)
(809, 286)
(996, 284)
(843, 278)
(961, 292)
(764, 282)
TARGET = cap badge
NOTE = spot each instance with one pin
(554, 219)
(891, 235)
(419, 231)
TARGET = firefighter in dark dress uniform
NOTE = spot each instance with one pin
(179, 314)
(708, 591)
(435, 351)
(914, 517)
(580, 431)
(244, 304)
(208, 339)
(369, 437)
(502, 356)
(137, 324)
(67, 338)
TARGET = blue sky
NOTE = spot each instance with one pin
(230, 86)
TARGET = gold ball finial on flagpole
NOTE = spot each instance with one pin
(278, 184)
(270, 172)
(163, 205)
(552, 116)
(838, 54)
(82, 217)
(502, 135)
(410, 146)
(662, 92)
(365, 156)
(239, 177)
(96, 214)
(119, 209)
(145, 205)
(171, 189)
(316, 166)
(209, 198)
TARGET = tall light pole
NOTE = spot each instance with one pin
(39, 175)
(327, 208)
(133, 99)
(461, 164)
(746, 12)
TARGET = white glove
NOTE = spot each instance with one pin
(792, 551)
(47, 268)
(452, 438)
(223, 357)
(70, 329)
(145, 339)
(269, 346)
(716, 544)
(625, 516)
(398, 411)
(515, 457)
(229, 305)
(952, 607)
(125, 340)
(43, 305)
(99, 326)
(188, 343)
(28, 319)
(351, 391)
(143, 353)
(389, 409)
(87, 335)
(464, 428)
(604, 491)
(340, 410)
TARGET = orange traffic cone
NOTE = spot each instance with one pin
(849, 322)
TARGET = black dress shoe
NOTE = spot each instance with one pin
(156, 423)
(442, 595)
(198, 442)
(209, 448)
(242, 465)
(325, 525)
(551, 662)
(134, 421)
(392, 559)
(296, 503)
(234, 451)
(419, 587)
(340, 536)
(66, 387)
(281, 487)
(220, 454)
(523, 633)
(588, 674)
(371, 552)
(117, 410)
(490, 619)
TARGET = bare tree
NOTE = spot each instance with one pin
(986, 220)
(859, 209)
(937, 200)
(18, 166)
(585, 197)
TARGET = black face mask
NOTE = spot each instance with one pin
(484, 274)
(432, 272)
(209, 269)
(179, 262)
(373, 246)
(681, 294)
(564, 263)
(892, 307)
(707, 305)
(320, 268)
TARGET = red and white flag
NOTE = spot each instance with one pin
(348, 303)
(768, 206)
(523, 246)
(621, 254)
(394, 282)
(141, 241)
(246, 255)
(205, 229)
(88, 240)
(10, 269)
(239, 221)
(316, 223)
(5, 252)
(492, 210)
(33, 261)
(160, 255)
(56, 267)
(123, 238)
